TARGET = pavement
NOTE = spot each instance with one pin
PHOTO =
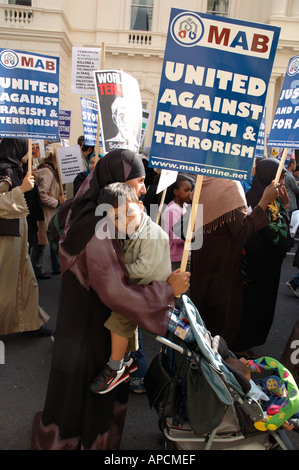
(24, 375)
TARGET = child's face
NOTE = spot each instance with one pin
(92, 163)
(126, 217)
(184, 193)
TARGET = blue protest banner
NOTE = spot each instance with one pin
(29, 95)
(285, 126)
(89, 113)
(212, 94)
(64, 123)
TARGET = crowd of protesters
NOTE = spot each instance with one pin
(233, 282)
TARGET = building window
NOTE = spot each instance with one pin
(141, 15)
(26, 3)
(218, 7)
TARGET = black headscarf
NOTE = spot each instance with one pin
(264, 174)
(11, 153)
(117, 166)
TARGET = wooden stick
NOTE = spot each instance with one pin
(29, 157)
(191, 223)
(281, 165)
(161, 205)
(59, 172)
(96, 150)
(103, 55)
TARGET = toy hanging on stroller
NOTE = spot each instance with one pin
(204, 402)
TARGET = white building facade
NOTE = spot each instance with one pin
(134, 34)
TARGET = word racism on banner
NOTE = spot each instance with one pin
(120, 109)
(212, 94)
(29, 95)
(89, 113)
(285, 126)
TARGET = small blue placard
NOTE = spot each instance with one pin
(65, 123)
(285, 126)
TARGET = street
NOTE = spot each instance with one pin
(23, 377)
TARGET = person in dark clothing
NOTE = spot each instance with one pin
(95, 282)
(20, 312)
(35, 210)
(263, 256)
(216, 268)
(149, 172)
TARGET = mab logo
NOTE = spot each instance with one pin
(293, 68)
(11, 59)
(187, 29)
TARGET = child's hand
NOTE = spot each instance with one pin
(180, 282)
(289, 427)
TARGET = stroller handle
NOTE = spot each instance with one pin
(172, 345)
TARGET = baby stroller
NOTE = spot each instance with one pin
(203, 402)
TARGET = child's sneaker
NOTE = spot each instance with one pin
(293, 287)
(132, 364)
(108, 379)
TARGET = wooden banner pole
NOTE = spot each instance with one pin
(96, 150)
(29, 157)
(59, 172)
(161, 205)
(191, 223)
(281, 165)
